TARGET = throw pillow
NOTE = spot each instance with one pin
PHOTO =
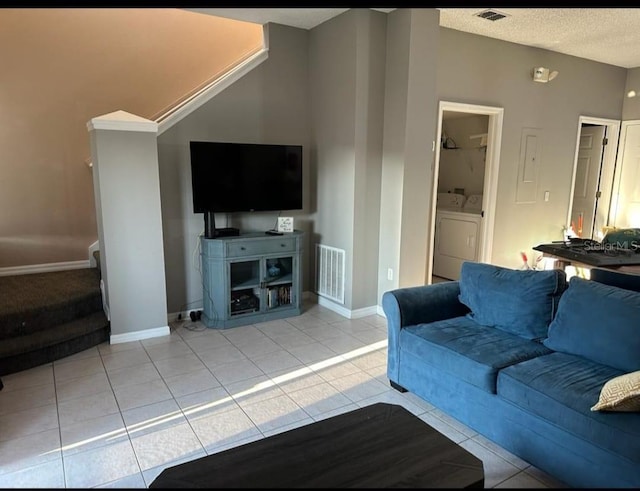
(522, 302)
(620, 394)
(598, 322)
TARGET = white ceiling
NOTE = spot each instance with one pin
(606, 35)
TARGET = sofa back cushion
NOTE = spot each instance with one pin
(522, 302)
(598, 322)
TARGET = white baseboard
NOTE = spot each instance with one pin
(349, 314)
(155, 332)
(309, 297)
(92, 248)
(43, 268)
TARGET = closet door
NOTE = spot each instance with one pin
(625, 203)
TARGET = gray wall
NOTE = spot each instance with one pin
(268, 105)
(479, 70)
(333, 90)
(347, 60)
(361, 93)
(409, 128)
(631, 108)
(130, 228)
(422, 111)
(463, 167)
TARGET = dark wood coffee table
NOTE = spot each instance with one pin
(378, 446)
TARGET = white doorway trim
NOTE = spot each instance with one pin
(608, 161)
(490, 190)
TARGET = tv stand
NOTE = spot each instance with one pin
(251, 278)
(210, 230)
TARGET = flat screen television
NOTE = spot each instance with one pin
(240, 177)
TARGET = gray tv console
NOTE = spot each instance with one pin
(251, 278)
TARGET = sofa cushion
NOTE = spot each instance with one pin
(517, 301)
(599, 322)
(468, 350)
(621, 393)
(561, 388)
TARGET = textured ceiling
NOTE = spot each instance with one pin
(606, 35)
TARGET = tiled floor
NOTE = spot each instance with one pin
(117, 415)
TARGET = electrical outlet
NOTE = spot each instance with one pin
(390, 274)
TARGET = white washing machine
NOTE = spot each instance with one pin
(457, 233)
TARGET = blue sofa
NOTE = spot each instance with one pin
(522, 358)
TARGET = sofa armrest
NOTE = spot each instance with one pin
(417, 305)
(423, 304)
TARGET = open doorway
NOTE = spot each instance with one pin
(464, 188)
(593, 173)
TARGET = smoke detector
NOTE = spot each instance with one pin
(491, 14)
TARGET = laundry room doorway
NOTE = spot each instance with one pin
(464, 188)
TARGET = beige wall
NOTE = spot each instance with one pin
(60, 68)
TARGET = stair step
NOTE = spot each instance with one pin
(96, 256)
(35, 302)
(47, 345)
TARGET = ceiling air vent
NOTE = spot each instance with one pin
(491, 15)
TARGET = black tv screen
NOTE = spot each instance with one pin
(234, 177)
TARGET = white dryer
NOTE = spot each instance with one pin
(457, 233)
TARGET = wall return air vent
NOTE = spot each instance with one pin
(491, 15)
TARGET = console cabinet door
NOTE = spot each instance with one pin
(251, 278)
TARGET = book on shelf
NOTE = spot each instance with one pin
(280, 295)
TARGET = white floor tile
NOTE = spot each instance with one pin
(93, 433)
(166, 445)
(29, 451)
(236, 371)
(84, 408)
(28, 422)
(319, 399)
(125, 359)
(224, 428)
(47, 475)
(188, 383)
(28, 398)
(82, 386)
(274, 413)
(82, 367)
(206, 403)
(115, 416)
(144, 373)
(152, 418)
(138, 395)
(496, 469)
(161, 351)
(179, 365)
(276, 361)
(41, 375)
(100, 465)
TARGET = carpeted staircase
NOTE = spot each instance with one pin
(47, 316)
